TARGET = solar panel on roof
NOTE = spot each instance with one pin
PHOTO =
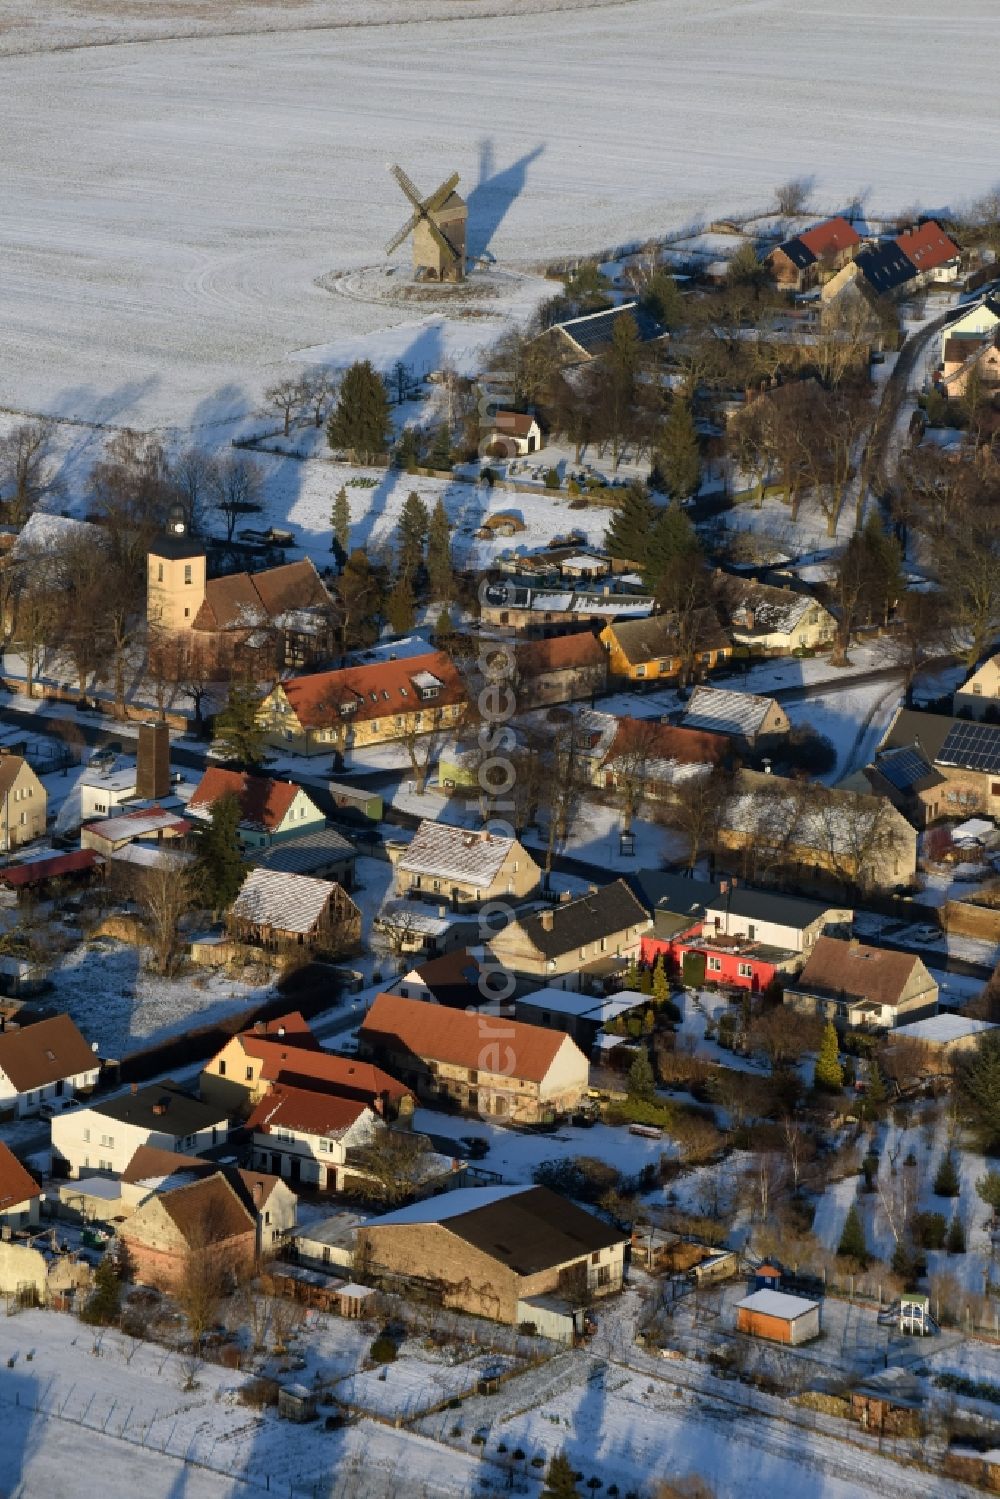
(902, 768)
(972, 746)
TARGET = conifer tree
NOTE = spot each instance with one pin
(628, 535)
(219, 870)
(340, 520)
(238, 730)
(946, 1182)
(399, 606)
(955, 1242)
(829, 1075)
(560, 1479)
(661, 984)
(360, 421)
(411, 533)
(408, 450)
(852, 1241)
(440, 454)
(678, 456)
(444, 626)
(673, 560)
(641, 1082)
(440, 572)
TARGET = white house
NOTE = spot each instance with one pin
(104, 790)
(513, 434)
(45, 1063)
(19, 1192)
(784, 921)
(304, 1136)
(103, 1137)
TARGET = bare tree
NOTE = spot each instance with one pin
(167, 896)
(391, 1166)
(193, 472)
(287, 396)
(207, 1272)
(317, 389)
(26, 475)
(422, 749)
(792, 197)
(236, 485)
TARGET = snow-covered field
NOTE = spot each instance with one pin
(170, 207)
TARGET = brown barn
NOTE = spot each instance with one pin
(280, 911)
(778, 1317)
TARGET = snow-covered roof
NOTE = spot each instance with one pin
(290, 902)
(589, 1006)
(144, 857)
(777, 1304)
(474, 857)
(424, 679)
(943, 1028)
(726, 712)
(449, 1205)
(414, 916)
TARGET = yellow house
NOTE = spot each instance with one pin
(358, 705)
(981, 693)
(663, 646)
(23, 803)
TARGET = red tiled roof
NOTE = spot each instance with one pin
(927, 246)
(304, 1109)
(264, 802)
(517, 422)
(37, 870)
(830, 237)
(293, 1028)
(456, 1037)
(378, 691)
(561, 652)
(284, 1061)
(44, 1053)
(243, 600)
(662, 741)
(16, 1183)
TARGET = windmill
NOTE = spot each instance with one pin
(437, 224)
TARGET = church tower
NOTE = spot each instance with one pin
(175, 577)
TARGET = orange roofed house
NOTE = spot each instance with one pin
(935, 255)
(799, 262)
(304, 1136)
(19, 1192)
(284, 613)
(561, 669)
(286, 1051)
(482, 1063)
(269, 809)
(357, 705)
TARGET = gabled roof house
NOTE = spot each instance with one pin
(48, 1062)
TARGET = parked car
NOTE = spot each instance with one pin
(926, 933)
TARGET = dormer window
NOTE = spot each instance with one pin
(428, 692)
(374, 697)
(347, 708)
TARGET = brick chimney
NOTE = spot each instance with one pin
(152, 779)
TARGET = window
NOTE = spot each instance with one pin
(159, 573)
(595, 1258)
(977, 689)
(187, 613)
(604, 1275)
(640, 671)
(86, 1137)
(714, 965)
(745, 970)
(249, 1074)
(222, 1069)
(473, 1076)
(187, 572)
(751, 930)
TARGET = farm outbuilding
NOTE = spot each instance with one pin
(778, 1317)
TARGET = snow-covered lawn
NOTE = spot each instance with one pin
(516, 1155)
(116, 1003)
(166, 273)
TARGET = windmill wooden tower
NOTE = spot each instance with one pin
(438, 225)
